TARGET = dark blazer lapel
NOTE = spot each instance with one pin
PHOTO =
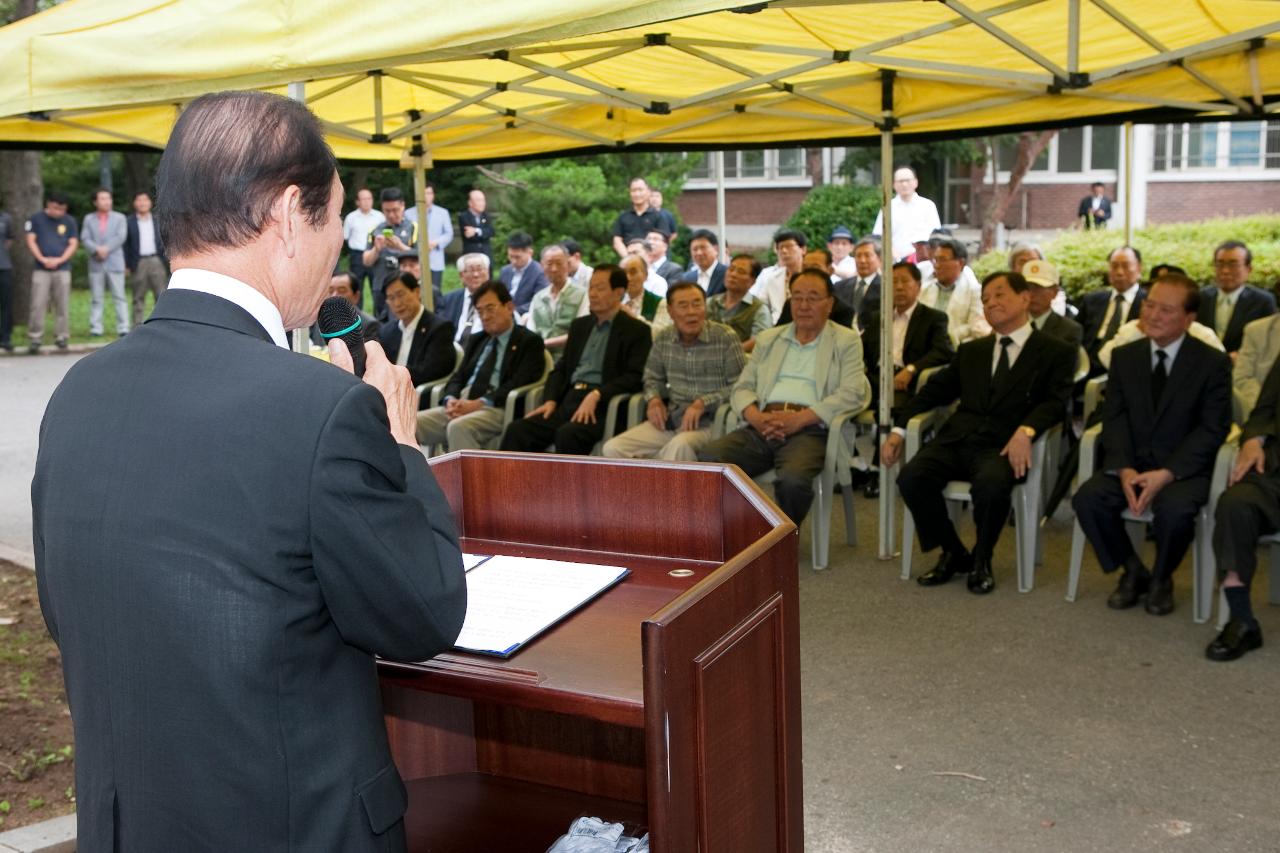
(1025, 364)
(192, 306)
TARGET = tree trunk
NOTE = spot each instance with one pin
(21, 191)
(137, 178)
(1030, 146)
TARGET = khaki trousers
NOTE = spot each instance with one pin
(149, 277)
(47, 285)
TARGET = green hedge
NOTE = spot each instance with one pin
(852, 205)
(1081, 256)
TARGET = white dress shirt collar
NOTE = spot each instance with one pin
(1170, 349)
(235, 291)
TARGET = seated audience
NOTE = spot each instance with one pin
(841, 312)
(604, 356)
(840, 245)
(1259, 346)
(579, 273)
(416, 338)
(1231, 302)
(668, 271)
(1133, 330)
(1102, 312)
(861, 292)
(691, 368)
(799, 379)
(920, 341)
(641, 248)
(705, 270)
(556, 306)
(1042, 277)
(458, 306)
(1247, 510)
(950, 292)
(771, 285)
(1167, 412)
(522, 275)
(1020, 254)
(736, 307)
(1010, 386)
(499, 357)
(640, 302)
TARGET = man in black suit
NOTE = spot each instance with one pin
(862, 291)
(416, 338)
(1167, 411)
(1094, 209)
(920, 341)
(476, 226)
(1104, 311)
(604, 356)
(458, 306)
(656, 246)
(1042, 277)
(1248, 509)
(144, 257)
(218, 628)
(523, 276)
(1230, 303)
(500, 357)
(1011, 386)
(705, 270)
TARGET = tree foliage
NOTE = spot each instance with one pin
(825, 207)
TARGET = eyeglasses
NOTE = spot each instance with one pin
(808, 300)
(1228, 265)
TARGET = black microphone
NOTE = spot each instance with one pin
(338, 319)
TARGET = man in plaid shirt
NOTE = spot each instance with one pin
(690, 371)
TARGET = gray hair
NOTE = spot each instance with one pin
(473, 257)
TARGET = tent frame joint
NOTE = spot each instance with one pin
(658, 108)
(656, 39)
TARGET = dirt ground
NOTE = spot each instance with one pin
(37, 779)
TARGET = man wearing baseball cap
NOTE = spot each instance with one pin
(840, 245)
(1043, 278)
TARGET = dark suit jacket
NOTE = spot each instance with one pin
(533, 280)
(522, 364)
(218, 629)
(1093, 309)
(1063, 328)
(715, 285)
(431, 353)
(623, 373)
(1035, 395)
(1184, 431)
(131, 240)
(479, 243)
(670, 271)
(1085, 211)
(1253, 303)
(861, 302)
(925, 345)
(450, 306)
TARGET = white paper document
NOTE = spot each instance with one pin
(511, 600)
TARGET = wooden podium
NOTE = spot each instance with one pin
(671, 703)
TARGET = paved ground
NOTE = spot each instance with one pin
(1088, 729)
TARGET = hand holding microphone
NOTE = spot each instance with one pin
(340, 326)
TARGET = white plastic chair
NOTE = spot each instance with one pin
(1026, 498)
(509, 407)
(1202, 564)
(433, 387)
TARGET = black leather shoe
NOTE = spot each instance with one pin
(872, 487)
(1131, 587)
(1234, 641)
(980, 581)
(949, 564)
(1160, 597)
(859, 477)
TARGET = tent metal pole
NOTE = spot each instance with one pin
(301, 338)
(419, 154)
(720, 214)
(888, 491)
(1128, 183)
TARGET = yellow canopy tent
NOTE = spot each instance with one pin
(415, 80)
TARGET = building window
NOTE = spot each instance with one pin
(1071, 149)
(1240, 145)
(754, 165)
(1104, 147)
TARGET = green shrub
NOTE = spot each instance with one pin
(852, 205)
(1081, 256)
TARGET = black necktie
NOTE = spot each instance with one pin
(481, 386)
(1114, 323)
(1001, 376)
(1159, 376)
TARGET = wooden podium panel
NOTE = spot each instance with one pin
(671, 703)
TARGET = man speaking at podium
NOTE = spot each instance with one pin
(227, 532)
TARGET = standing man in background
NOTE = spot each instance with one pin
(439, 236)
(665, 218)
(397, 236)
(52, 239)
(144, 257)
(912, 214)
(477, 226)
(636, 221)
(104, 232)
(1095, 208)
(357, 229)
(219, 628)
